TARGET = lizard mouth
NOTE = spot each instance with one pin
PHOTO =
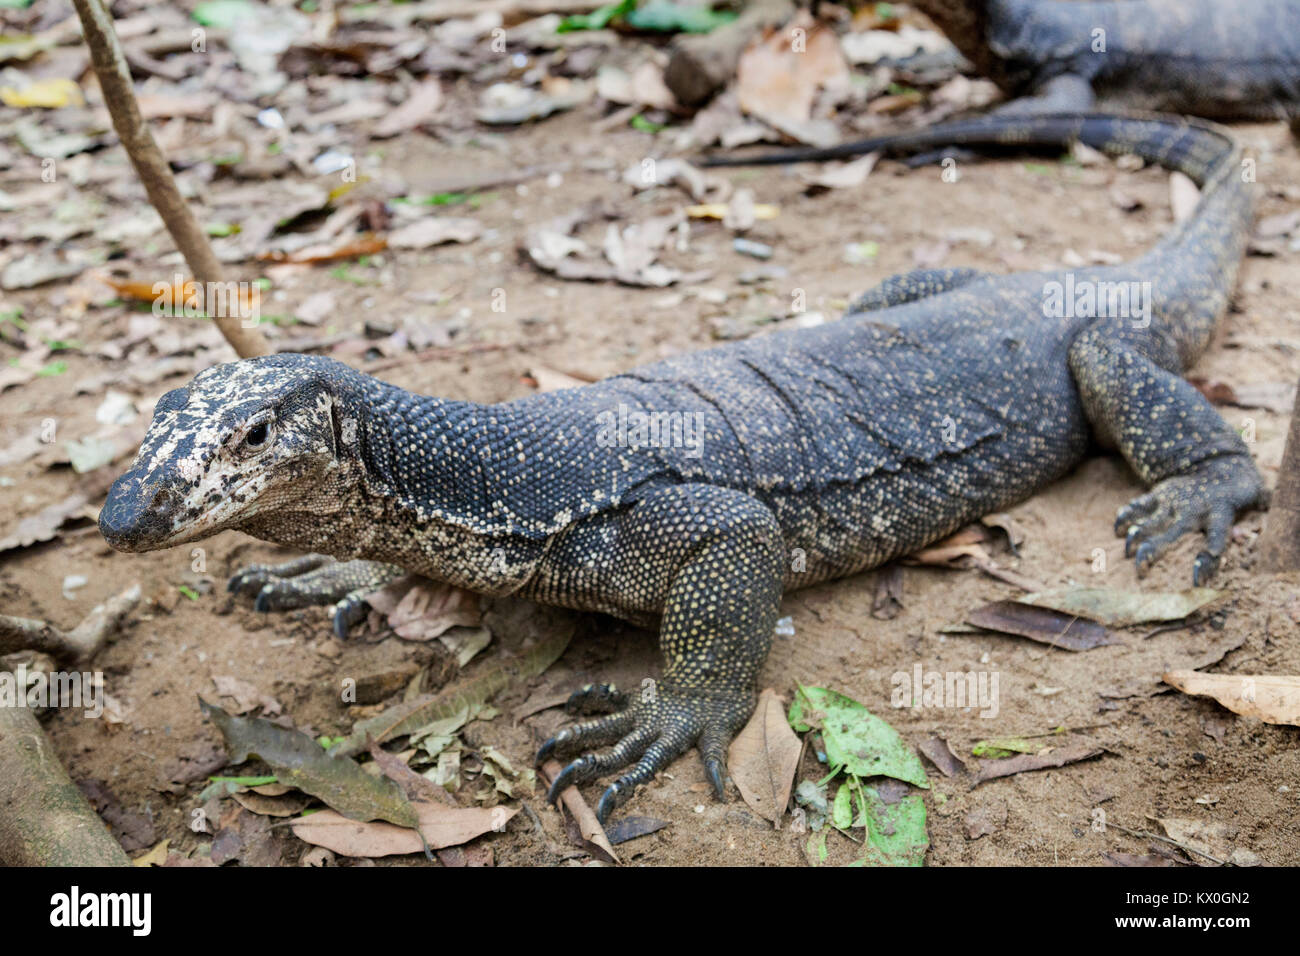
(138, 517)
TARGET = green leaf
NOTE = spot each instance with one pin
(815, 848)
(189, 592)
(644, 125)
(299, 761)
(596, 20)
(896, 833)
(221, 14)
(222, 229)
(1004, 747)
(53, 368)
(667, 17)
(842, 813)
(856, 739)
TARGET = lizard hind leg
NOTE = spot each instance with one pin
(1199, 470)
(314, 580)
(914, 285)
(713, 557)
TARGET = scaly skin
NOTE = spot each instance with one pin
(945, 395)
(1238, 60)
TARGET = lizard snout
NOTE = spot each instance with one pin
(136, 517)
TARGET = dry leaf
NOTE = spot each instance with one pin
(428, 610)
(434, 231)
(549, 380)
(778, 82)
(1273, 698)
(441, 826)
(764, 757)
(590, 834)
(421, 105)
(992, 769)
(1040, 624)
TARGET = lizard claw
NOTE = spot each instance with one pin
(647, 736)
(315, 580)
(1205, 499)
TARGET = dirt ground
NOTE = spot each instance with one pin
(1166, 754)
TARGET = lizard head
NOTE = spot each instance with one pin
(241, 439)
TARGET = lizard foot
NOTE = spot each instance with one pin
(596, 699)
(1205, 499)
(649, 734)
(314, 580)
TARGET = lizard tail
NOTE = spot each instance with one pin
(1190, 146)
(1203, 151)
(1200, 255)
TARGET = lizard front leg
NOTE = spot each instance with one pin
(709, 559)
(1199, 470)
(315, 580)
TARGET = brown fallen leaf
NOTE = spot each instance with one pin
(428, 610)
(1273, 698)
(549, 380)
(415, 786)
(245, 695)
(247, 837)
(780, 74)
(1116, 608)
(764, 758)
(590, 835)
(173, 296)
(434, 231)
(940, 753)
(1046, 626)
(315, 255)
(155, 857)
(1208, 838)
(45, 524)
(285, 805)
(442, 826)
(420, 106)
(1059, 757)
(968, 542)
(630, 828)
(841, 176)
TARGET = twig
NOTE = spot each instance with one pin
(151, 166)
(1143, 835)
(20, 633)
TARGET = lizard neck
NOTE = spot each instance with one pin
(423, 479)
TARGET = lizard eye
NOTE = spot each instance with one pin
(257, 435)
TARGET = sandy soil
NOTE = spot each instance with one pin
(1166, 754)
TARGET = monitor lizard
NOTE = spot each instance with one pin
(942, 395)
(1207, 58)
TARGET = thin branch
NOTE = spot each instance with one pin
(151, 166)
